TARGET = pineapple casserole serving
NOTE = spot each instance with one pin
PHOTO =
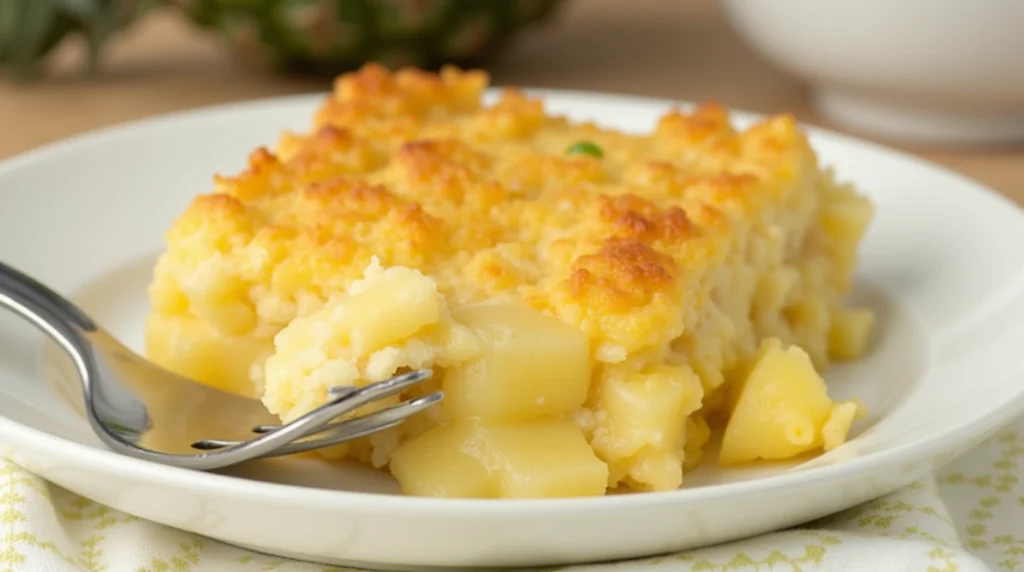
(596, 305)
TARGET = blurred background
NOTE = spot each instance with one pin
(75, 65)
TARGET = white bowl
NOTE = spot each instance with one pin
(924, 70)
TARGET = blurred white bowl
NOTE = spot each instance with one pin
(926, 70)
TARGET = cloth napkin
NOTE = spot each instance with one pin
(968, 518)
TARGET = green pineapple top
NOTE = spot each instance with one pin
(322, 36)
(31, 29)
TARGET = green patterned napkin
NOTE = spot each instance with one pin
(969, 519)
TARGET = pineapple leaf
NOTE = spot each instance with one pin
(114, 21)
(80, 9)
(10, 15)
(28, 39)
(31, 29)
(8, 18)
(101, 26)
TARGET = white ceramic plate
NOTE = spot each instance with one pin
(941, 263)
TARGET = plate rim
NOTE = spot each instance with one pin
(968, 432)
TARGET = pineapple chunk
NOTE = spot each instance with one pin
(221, 300)
(394, 318)
(388, 307)
(847, 218)
(641, 433)
(533, 365)
(837, 427)
(808, 319)
(442, 463)
(192, 348)
(782, 409)
(544, 458)
(649, 409)
(849, 333)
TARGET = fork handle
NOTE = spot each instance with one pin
(55, 315)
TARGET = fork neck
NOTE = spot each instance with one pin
(55, 315)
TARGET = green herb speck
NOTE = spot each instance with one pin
(584, 148)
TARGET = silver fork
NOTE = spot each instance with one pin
(141, 410)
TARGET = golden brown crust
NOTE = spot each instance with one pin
(630, 216)
(408, 166)
(708, 122)
(624, 273)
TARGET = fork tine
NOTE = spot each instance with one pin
(367, 394)
(348, 430)
(314, 421)
(381, 389)
(351, 429)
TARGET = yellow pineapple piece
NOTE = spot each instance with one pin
(533, 365)
(546, 458)
(394, 318)
(193, 348)
(444, 462)
(847, 217)
(782, 409)
(220, 299)
(849, 333)
(808, 320)
(837, 427)
(390, 306)
(643, 429)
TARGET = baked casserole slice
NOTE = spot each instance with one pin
(595, 304)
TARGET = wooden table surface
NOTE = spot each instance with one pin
(665, 48)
